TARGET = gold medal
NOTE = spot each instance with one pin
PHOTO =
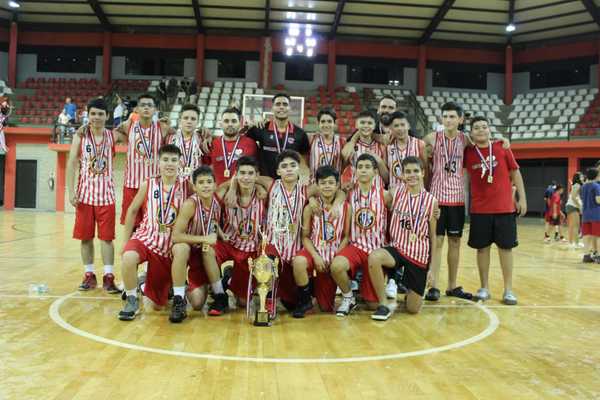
(226, 173)
(205, 247)
(413, 237)
(187, 171)
(292, 228)
(162, 228)
(148, 161)
(490, 179)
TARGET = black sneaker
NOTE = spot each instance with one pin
(178, 310)
(220, 305)
(433, 294)
(226, 279)
(458, 292)
(131, 309)
(382, 313)
(302, 308)
(587, 258)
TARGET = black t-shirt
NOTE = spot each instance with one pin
(267, 147)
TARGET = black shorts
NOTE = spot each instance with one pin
(413, 277)
(493, 228)
(451, 222)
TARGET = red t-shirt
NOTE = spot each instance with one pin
(245, 147)
(496, 197)
(554, 199)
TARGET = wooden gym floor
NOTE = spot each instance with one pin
(70, 345)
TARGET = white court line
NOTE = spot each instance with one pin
(54, 313)
(51, 296)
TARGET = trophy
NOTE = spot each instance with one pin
(264, 271)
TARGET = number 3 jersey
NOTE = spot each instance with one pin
(447, 184)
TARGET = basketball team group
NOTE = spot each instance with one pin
(368, 219)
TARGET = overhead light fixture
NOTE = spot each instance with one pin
(289, 51)
(294, 30)
(311, 42)
(13, 4)
(310, 52)
(300, 48)
(290, 41)
(290, 15)
(510, 28)
(308, 31)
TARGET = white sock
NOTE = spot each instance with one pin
(108, 269)
(179, 291)
(132, 292)
(348, 295)
(89, 267)
(217, 287)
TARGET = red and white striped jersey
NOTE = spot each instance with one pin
(95, 185)
(191, 152)
(411, 215)
(374, 148)
(368, 228)
(283, 226)
(447, 184)
(395, 155)
(149, 231)
(243, 224)
(328, 244)
(206, 219)
(142, 153)
(322, 153)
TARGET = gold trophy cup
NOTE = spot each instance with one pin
(264, 271)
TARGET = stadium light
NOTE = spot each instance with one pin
(310, 52)
(300, 39)
(289, 51)
(311, 42)
(308, 31)
(510, 28)
(294, 30)
(13, 4)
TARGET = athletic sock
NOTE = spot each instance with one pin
(89, 268)
(179, 291)
(108, 269)
(131, 292)
(304, 292)
(348, 295)
(217, 287)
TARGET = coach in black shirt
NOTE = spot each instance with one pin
(277, 135)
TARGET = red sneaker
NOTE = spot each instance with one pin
(108, 284)
(89, 282)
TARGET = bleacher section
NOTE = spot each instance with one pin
(345, 101)
(211, 100)
(474, 103)
(553, 114)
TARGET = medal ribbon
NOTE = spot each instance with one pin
(229, 161)
(206, 227)
(170, 197)
(285, 141)
(414, 222)
(323, 147)
(292, 211)
(449, 152)
(147, 144)
(187, 155)
(484, 164)
(95, 146)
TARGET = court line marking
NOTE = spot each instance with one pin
(54, 313)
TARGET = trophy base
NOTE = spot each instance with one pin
(262, 319)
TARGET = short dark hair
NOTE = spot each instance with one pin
(98, 103)
(325, 171)
(367, 156)
(558, 187)
(190, 107)
(294, 155)
(232, 110)
(367, 114)
(412, 160)
(591, 174)
(388, 96)
(202, 171)
(281, 94)
(146, 96)
(479, 118)
(398, 115)
(452, 106)
(247, 160)
(169, 148)
(327, 111)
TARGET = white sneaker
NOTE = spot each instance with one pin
(580, 245)
(347, 305)
(482, 294)
(353, 285)
(509, 298)
(391, 290)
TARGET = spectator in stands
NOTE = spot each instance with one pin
(162, 94)
(172, 89)
(118, 112)
(83, 117)
(70, 109)
(62, 123)
(590, 199)
(573, 211)
(193, 87)
(554, 215)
